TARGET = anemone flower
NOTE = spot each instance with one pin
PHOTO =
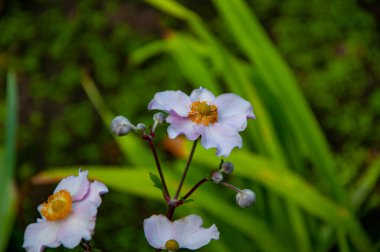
(218, 120)
(68, 216)
(187, 232)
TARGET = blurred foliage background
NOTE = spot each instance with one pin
(66, 67)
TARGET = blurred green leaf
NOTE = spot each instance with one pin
(294, 188)
(130, 180)
(364, 186)
(132, 147)
(7, 160)
(280, 81)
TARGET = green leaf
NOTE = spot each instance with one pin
(156, 180)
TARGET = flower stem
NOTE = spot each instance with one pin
(85, 246)
(231, 187)
(153, 149)
(172, 207)
(170, 212)
(186, 169)
(201, 182)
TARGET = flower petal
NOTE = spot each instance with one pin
(94, 193)
(40, 235)
(172, 102)
(76, 185)
(222, 137)
(158, 230)
(234, 111)
(78, 225)
(202, 94)
(189, 233)
(181, 125)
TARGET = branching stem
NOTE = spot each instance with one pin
(148, 138)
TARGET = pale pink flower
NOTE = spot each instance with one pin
(186, 233)
(218, 120)
(68, 216)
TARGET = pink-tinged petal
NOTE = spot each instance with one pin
(158, 230)
(76, 185)
(201, 238)
(96, 190)
(189, 233)
(185, 227)
(202, 94)
(181, 125)
(78, 225)
(172, 102)
(222, 137)
(40, 235)
(233, 111)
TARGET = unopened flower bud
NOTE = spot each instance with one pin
(121, 126)
(159, 117)
(217, 177)
(227, 167)
(245, 198)
(140, 128)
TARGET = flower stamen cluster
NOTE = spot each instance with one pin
(172, 245)
(58, 206)
(203, 113)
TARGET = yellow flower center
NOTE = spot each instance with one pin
(203, 113)
(58, 206)
(172, 245)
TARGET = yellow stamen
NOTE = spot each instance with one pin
(58, 206)
(203, 113)
(172, 245)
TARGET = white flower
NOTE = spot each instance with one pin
(217, 119)
(245, 198)
(187, 232)
(68, 216)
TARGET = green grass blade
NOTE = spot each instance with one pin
(126, 179)
(146, 52)
(292, 187)
(7, 160)
(365, 184)
(191, 64)
(10, 126)
(251, 38)
(132, 147)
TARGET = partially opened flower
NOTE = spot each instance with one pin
(68, 216)
(217, 119)
(187, 232)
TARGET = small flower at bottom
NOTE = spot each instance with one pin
(218, 120)
(186, 233)
(68, 216)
